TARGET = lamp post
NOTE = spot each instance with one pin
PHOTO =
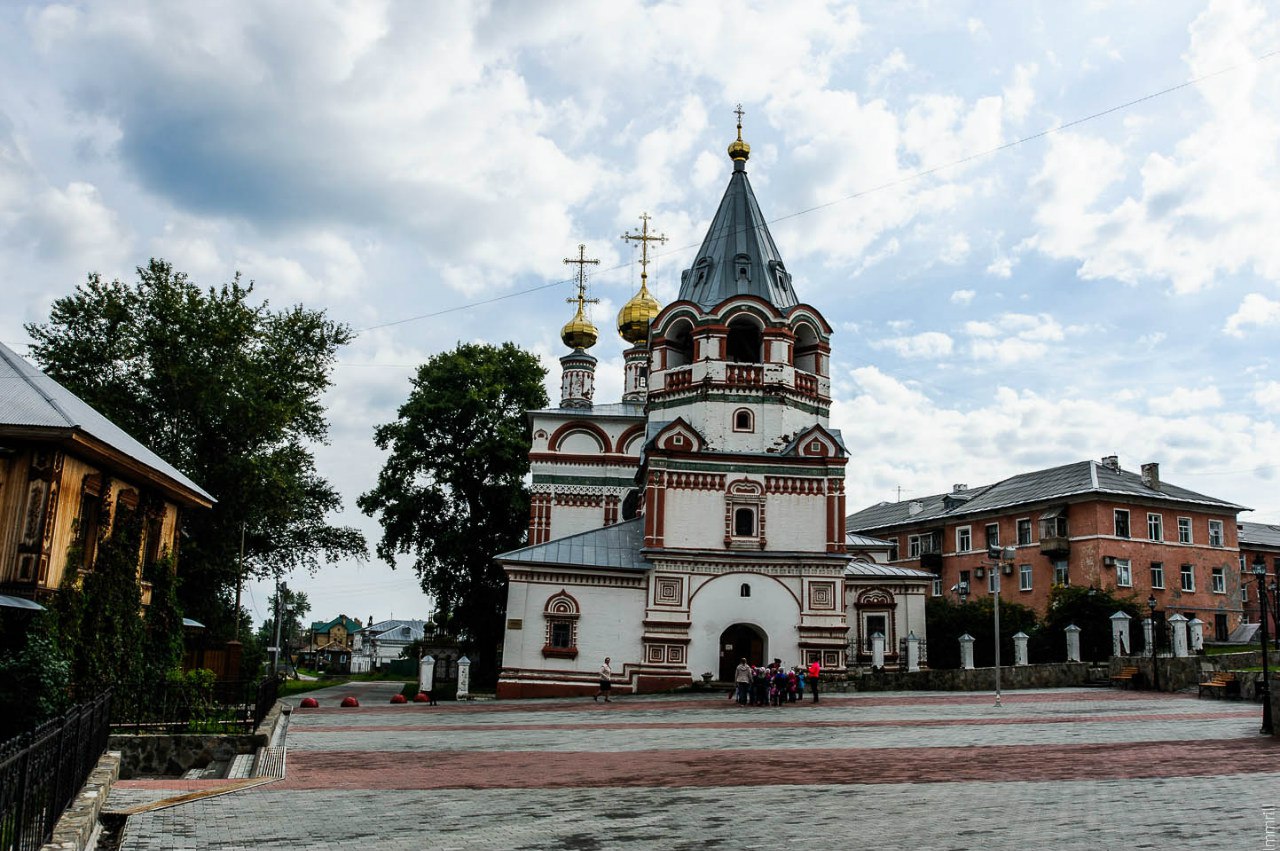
(1260, 573)
(999, 556)
(1155, 669)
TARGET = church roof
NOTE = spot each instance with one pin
(865, 542)
(32, 401)
(612, 410)
(863, 569)
(738, 255)
(615, 547)
(1056, 483)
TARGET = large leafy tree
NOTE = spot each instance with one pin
(229, 391)
(452, 491)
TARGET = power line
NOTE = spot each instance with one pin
(864, 192)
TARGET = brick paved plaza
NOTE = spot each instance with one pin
(1087, 769)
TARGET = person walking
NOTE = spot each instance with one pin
(606, 683)
(812, 680)
(742, 679)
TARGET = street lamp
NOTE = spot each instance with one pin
(961, 589)
(1155, 669)
(1264, 688)
(999, 556)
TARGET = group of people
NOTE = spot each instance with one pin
(774, 684)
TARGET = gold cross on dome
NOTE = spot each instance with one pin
(739, 113)
(644, 238)
(581, 263)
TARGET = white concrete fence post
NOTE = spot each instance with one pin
(1020, 648)
(1120, 634)
(913, 652)
(1149, 634)
(1178, 623)
(966, 652)
(1073, 643)
(877, 650)
(426, 674)
(464, 678)
(1197, 635)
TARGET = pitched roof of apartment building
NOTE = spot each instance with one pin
(1259, 534)
(1070, 481)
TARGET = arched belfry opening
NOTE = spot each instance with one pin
(741, 641)
(680, 345)
(807, 353)
(745, 341)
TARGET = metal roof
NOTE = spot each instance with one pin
(31, 399)
(1259, 534)
(865, 542)
(1039, 486)
(738, 255)
(615, 547)
(613, 410)
(393, 630)
(871, 570)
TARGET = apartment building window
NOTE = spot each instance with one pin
(1061, 576)
(1024, 532)
(893, 550)
(993, 580)
(1124, 573)
(1244, 592)
(1215, 533)
(964, 539)
(1188, 578)
(1155, 527)
(1122, 523)
(1219, 581)
(1024, 577)
(1184, 530)
(937, 586)
(913, 546)
(993, 535)
(1157, 574)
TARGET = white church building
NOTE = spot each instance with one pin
(700, 519)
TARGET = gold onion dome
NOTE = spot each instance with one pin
(636, 314)
(578, 332)
(739, 150)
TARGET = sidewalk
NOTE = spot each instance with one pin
(1067, 769)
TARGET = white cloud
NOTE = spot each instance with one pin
(1019, 94)
(1185, 400)
(929, 344)
(1268, 395)
(1013, 337)
(1255, 310)
(1001, 266)
(895, 63)
(963, 297)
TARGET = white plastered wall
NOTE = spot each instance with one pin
(717, 604)
(609, 624)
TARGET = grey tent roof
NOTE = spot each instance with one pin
(738, 255)
(31, 399)
(1259, 534)
(1039, 486)
(615, 547)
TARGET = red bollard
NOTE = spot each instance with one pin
(422, 697)
(399, 698)
(308, 703)
(349, 701)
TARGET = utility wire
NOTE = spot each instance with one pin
(909, 178)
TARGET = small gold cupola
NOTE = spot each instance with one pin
(739, 151)
(578, 332)
(636, 314)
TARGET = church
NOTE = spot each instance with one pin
(700, 519)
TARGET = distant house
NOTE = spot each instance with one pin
(329, 643)
(1086, 524)
(59, 459)
(381, 642)
(1259, 542)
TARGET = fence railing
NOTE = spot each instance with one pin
(42, 771)
(231, 706)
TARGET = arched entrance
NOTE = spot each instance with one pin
(739, 641)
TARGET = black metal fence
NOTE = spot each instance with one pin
(42, 771)
(229, 706)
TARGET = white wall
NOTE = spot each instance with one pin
(794, 522)
(609, 624)
(717, 605)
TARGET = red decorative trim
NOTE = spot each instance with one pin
(695, 481)
(578, 425)
(579, 500)
(626, 437)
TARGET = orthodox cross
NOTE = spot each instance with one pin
(581, 263)
(739, 113)
(644, 238)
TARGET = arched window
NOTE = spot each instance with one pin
(744, 344)
(744, 522)
(745, 590)
(561, 613)
(743, 420)
(807, 354)
(680, 345)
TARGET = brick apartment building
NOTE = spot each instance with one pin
(1089, 524)
(1259, 541)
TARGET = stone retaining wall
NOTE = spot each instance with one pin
(76, 827)
(1048, 675)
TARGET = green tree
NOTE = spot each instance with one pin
(228, 391)
(1091, 610)
(452, 491)
(295, 606)
(33, 669)
(947, 621)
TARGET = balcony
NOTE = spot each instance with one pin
(1055, 537)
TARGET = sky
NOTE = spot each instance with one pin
(1004, 298)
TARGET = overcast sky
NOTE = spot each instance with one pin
(1107, 289)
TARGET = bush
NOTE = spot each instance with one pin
(36, 676)
(1091, 610)
(947, 621)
